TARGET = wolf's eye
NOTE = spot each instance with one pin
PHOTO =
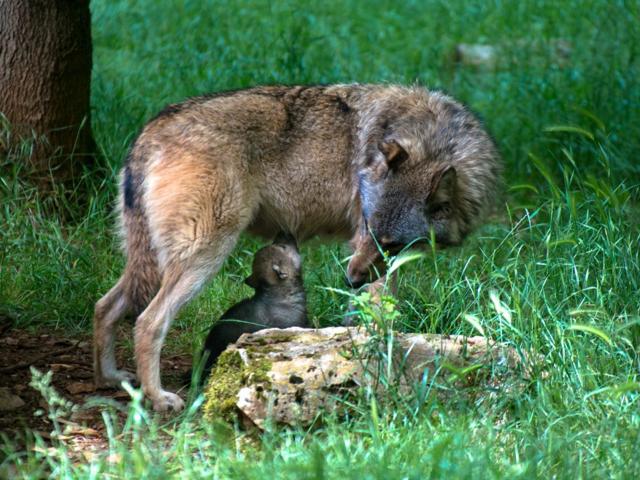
(391, 245)
(442, 209)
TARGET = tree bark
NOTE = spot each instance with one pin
(45, 74)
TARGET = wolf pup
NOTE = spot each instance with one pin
(279, 300)
(381, 164)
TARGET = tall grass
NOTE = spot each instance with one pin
(556, 269)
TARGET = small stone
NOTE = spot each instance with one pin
(11, 341)
(81, 430)
(119, 395)
(87, 416)
(476, 55)
(58, 367)
(89, 456)
(80, 387)
(9, 401)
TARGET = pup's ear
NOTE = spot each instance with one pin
(393, 153)
(252, 281)
(444, 186)
(281, 275)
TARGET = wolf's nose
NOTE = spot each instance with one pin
(354, 282)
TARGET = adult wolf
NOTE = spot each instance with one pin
(342, 160)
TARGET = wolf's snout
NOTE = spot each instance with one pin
(357, 272)
(354, 281)
(362, 269)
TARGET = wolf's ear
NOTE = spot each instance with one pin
(281, 275)
(393, 153)
(444, 187)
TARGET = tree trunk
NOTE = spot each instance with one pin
(45, 74)
(291, 376)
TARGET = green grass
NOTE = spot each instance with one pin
(562, 250)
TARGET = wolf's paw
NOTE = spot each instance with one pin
(165, 401)
(114, 379)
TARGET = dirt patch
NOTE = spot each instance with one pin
(70, 360)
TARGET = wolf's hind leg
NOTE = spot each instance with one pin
(108, 311)
(182, 280)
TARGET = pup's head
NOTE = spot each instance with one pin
(276, 264)
(429, 170)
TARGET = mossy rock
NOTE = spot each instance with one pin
(291, 376)
(228, 377)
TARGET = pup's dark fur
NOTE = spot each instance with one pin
(279, 300)
(340, 160)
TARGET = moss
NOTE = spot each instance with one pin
(280, 337)
(228, 376)
(257, 372)
(273, 337)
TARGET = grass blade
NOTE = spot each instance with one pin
(593, 331)
(403, 258)
(570, 129)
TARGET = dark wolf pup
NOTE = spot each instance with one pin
(381, 164)
(279, 300)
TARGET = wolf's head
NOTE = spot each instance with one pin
(428, 170)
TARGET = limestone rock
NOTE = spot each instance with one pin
(535, 52)
(292, 375)
(9, 401)
(75, 388)
(477, 55)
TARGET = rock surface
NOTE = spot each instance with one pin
(290, 376)
(477, 55)
(9, 401)
(483, 57)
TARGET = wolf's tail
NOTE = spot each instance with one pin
(142, 273)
